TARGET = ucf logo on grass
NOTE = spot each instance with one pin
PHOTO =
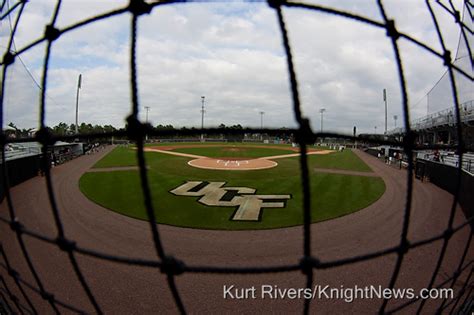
(213, 194)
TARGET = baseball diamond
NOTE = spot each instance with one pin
(263, 193)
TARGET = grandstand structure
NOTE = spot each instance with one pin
(439, 126)
(63, 151)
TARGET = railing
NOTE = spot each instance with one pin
(445, 117)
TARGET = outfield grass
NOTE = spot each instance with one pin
(333, 195)
(120, 156)
(345, 160)
(234, 151)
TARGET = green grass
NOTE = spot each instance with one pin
(332, 195)
(345, 160)
(234, 151)
(120, 156)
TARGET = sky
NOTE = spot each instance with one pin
(232, 54)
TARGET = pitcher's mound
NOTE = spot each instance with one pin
(232, 164)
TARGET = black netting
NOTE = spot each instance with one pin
(457, 80)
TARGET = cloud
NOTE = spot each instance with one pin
(233, 55)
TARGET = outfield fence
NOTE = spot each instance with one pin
(137, 131)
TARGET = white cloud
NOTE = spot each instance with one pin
(232, 54)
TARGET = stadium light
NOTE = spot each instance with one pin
(147, 108)
(79, 81)
(321, 111)
(385, 100)
(202, 116)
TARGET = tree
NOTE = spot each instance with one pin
(12, 125)
(61, 129)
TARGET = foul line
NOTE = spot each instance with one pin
(274, 157)
(176, 153)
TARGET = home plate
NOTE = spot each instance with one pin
(232, 164)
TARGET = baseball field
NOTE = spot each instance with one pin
(231, 186)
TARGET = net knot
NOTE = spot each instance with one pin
(47, 296)
(8, 58)
(275, 3)
(139, 7)
(16, 226)
(404, 247)
(65, 244)
(392, 30)
(51, 33)
(307, 264)
(13, 273)
(171, 266)
(447, 58)
(457, 17)
(448, 233)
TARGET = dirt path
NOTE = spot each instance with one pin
(123, 289)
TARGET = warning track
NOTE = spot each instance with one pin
(120, 288)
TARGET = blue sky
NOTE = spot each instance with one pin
(231, 53)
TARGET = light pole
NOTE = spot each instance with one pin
(395, 117)
(202, 117)
(79, 80)
(385, 100)
(147, 108)
(321, 111)
(261, 119)
(375, 128)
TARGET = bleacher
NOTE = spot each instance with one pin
(20, 150)
(62, 151)
(445, 117)
(450, 158)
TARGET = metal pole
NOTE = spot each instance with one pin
(322, 110)
(147, 108)
(202, 117)
(261, 119)
(77, 102)
(385, 101)
(395, 117)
